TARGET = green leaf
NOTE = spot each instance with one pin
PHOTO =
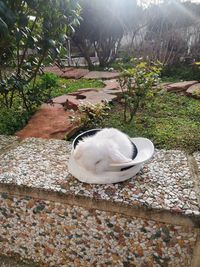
(3, 29)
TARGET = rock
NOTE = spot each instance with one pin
(75, 73)
(180, 86)
(194, 91)
(88, 89)
(101, 75)
(111, 84)
(72, 102)
(92, 96)
(6, 141)
(70, 73)
(112, 87)
(53, 69)
(97, 97)
(60, 99)
(56, 70)
(50, 121)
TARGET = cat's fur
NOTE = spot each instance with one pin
(107, 146)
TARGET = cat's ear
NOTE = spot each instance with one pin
(117, 157)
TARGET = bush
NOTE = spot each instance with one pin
(26, 41)
(42, 91)
(93, 113)
(135, 84)
(12, 120)
(181, 72)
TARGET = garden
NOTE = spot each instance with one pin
(69, 66)
(149, 51)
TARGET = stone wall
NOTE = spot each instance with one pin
(56, 234)
(49, 218)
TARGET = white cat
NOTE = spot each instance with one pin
(107, 146)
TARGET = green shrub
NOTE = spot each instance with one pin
(181, 72)
(12, 120)
(94, 113)
(135, 83)
(42, 90)
(48, 80)
(26, 41)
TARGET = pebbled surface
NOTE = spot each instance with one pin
(165, 182)
(70, 236)
(6, 141)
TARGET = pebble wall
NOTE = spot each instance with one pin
(60, 235)
(151, 220)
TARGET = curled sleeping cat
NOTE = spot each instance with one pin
(97, 152)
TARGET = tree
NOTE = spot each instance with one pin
(102, 28)
(31, 31)
(171, 31)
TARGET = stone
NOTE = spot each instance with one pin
(97, 97)
(70, 73)
(111, 84)
(89, 89)
(72, 101)
(180, 86)
(60, 99)
(50, 121)
(112, 87)
(53, 69)
(194, 91)
(101, 75)
(75, 73)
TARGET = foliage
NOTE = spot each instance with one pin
(93, 113)
(48, 80)
(31, 31)
(135, 84)
(181, 72)
(15, 118)
(171, 121)
(42, 91)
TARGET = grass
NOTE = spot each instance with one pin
(68, 86)
(170, 120)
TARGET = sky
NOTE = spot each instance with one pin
(146, 3)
